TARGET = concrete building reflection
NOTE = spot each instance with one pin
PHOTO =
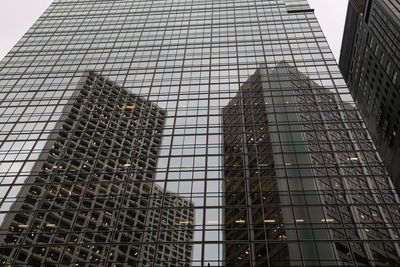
(91, 196)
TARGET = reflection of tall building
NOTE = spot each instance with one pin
(250, 180)
(91, 198)
(302, 174)
(370, 63)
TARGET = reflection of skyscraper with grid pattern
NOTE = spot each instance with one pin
(99, 166)
(250, 181)
(283, 132)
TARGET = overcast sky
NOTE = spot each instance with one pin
(17, 16)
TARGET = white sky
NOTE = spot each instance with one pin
(17, 16)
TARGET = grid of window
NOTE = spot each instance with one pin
(101, 164)
(186, 133)
(373, 78)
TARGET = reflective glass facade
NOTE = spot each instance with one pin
(186, 133)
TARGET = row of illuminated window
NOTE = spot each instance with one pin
(180, 167)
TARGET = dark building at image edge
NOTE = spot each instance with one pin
(370, 63)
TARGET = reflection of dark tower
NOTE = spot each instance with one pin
(250, 182)
(299, 163)
(90, 198)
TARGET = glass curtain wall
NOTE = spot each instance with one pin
(186, 133)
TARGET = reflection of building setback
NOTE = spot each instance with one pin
(91, 197)
(299, 163)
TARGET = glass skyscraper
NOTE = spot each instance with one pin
(186, 133)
